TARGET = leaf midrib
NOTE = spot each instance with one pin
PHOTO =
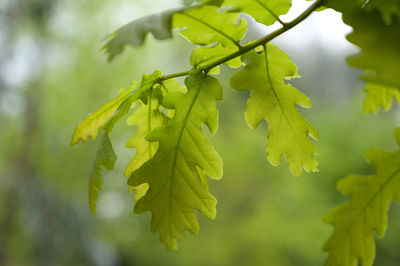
(178, 143)
(211, 27)
(275, 93)
(267, 9)
(362, 211)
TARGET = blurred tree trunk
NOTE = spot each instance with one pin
(31, 206)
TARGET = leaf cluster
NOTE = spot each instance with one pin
(174, 158)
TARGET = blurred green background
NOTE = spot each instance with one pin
(52, 73)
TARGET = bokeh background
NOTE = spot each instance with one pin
(52, 73)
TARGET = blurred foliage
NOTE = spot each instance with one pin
(265, 215)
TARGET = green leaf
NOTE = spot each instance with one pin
(134, 33)
(379, 96)
(145, 118)
(379, 44)
(94, 121)
(263, 11)
(140, 191)
(389, 9)
(202, 2)
(352, 241)
(159, 25)
(345, 5)
(122, 110)
(176, 188)
(275, 101)
(206, 25)
(111, 112)
(148, 81)
(204, 55)
(106, 157)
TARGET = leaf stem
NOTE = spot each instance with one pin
(246, 48)
(175, 75)
(267, 38)
(149, 118)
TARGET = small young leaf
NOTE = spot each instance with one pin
(263, 11)
(352, 241)
(175, 186)
(275, 101)
(206, 25)
(106, 157)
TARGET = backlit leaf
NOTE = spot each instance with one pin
(355, 222)
(379, 44)
(204, 55)
(275, 101)
(202, 2)
(206, 25)
(263, 11)
(111, 112)
(379, 96)
(378, 36)
(94, 121)
(135, 32)
(146, 118)
(176, 188)
(105, 157)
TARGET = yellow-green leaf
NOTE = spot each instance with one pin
(205, 25)
(105, 157)
(135, 32)
(140, 191)
(145, 118)
(91, 124)
(356, 221)
(204, 55)
(111, 112)
(379, 96)
(176, 188)
(263, 11)
(275, 101)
